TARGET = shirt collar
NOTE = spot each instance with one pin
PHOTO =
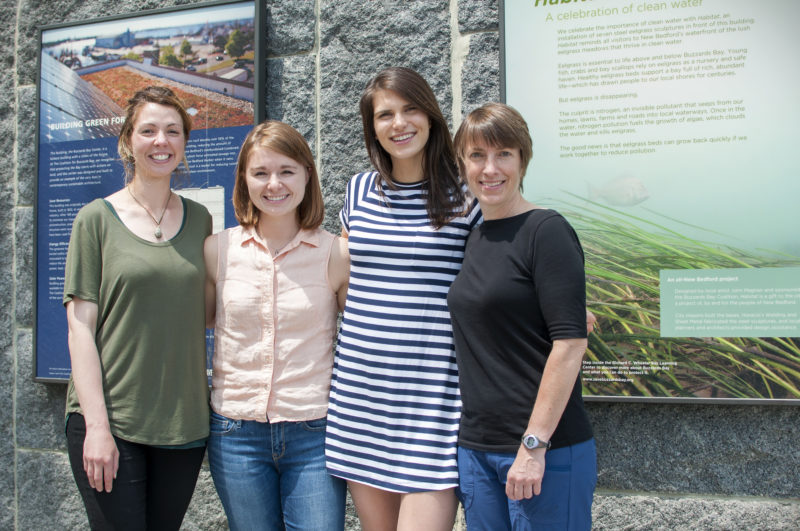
(310, 237)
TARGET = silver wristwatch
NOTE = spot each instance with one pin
(532, 442)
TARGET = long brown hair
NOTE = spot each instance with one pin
(153, 94)
(286, 140)
(444, 194)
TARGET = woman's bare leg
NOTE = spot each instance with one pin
(429, 511)
(378, 509)
(381, 510)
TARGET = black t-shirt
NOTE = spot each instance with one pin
(522, 286)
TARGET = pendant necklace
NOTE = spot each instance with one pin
(157, 233)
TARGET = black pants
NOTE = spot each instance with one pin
(152, 489)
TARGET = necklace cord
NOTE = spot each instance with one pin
(157, 233)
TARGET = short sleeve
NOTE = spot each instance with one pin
(349, 195)
(208, 223)
(560, 279)
(82, 274)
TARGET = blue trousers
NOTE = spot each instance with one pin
(565, 502)
(272, 476)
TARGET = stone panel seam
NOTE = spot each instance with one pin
(469, 33)
(315, 49)
(459, 48)
(15, 354)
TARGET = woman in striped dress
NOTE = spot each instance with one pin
(394, 405)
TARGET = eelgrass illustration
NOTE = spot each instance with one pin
(627, 357)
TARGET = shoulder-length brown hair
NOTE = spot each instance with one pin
(498, 125)
(444, 194)
(153, 94)
(286, 140)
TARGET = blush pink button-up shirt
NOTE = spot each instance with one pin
(275, 327)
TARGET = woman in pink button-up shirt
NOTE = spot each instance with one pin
(274, 287)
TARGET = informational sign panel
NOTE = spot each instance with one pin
(207, 54)
(666, 133)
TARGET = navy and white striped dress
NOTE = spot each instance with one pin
(394, 403)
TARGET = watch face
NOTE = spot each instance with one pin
(530, 441)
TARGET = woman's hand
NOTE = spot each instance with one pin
(560, 373)
(591, 322)
(100, 458)
(524, 479)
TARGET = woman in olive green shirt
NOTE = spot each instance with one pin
(137, 403)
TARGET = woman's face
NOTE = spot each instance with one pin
(401, 127)
(157, 141)
(276, 183)
(494, 176)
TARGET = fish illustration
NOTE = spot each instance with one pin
(621, 191)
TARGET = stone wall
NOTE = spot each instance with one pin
(662, 466)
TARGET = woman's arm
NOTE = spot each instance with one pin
(560, 373)
(210, 256)
(339, 270)
(100, 454)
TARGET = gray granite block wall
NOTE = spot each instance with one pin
(662, 466)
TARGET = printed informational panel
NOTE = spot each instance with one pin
(205, 54)
(666, 132)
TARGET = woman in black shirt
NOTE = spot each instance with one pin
(526, 454)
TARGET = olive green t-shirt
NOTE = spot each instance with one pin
(150, 322)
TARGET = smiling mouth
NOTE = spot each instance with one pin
(161, 157)
(492, 184)
(403, 137)
(276, 198)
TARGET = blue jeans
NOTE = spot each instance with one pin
(272, 476)
(565, 502)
